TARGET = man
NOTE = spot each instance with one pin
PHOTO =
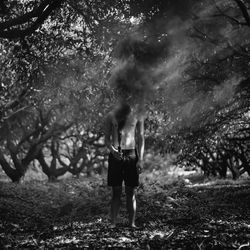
(122, 126)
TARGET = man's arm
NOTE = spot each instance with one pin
(108, 132)
(141, 139)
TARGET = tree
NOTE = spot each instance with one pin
(31, 67)
(209, 94)
(23, 139)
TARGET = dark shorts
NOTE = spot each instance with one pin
(123, 170)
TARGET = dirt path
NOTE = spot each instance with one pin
(74, 215)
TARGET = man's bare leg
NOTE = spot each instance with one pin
(115, 203)
(131, 204)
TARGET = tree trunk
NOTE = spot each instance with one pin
(222, 164)
(223, 170)
(243, 158)
(14, 174)
(235, 172)
(52, 178)
(51, 171)
(43, 163)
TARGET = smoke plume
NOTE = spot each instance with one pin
(137, 62)
(155, 62)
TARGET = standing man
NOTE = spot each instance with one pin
(124, 129)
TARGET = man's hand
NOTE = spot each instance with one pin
(116, 153)
(139, 166)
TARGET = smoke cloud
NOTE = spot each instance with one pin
(153, 62)
(137, 68)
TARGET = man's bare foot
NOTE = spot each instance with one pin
(133, 226)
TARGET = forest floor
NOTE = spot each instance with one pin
(172, 214)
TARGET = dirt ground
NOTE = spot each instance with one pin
(74, 214)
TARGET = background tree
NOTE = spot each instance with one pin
(40, 68)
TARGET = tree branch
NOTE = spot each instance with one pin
(36, 12)
(41, 13)
(244, 11)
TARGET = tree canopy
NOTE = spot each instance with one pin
(63, 63)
